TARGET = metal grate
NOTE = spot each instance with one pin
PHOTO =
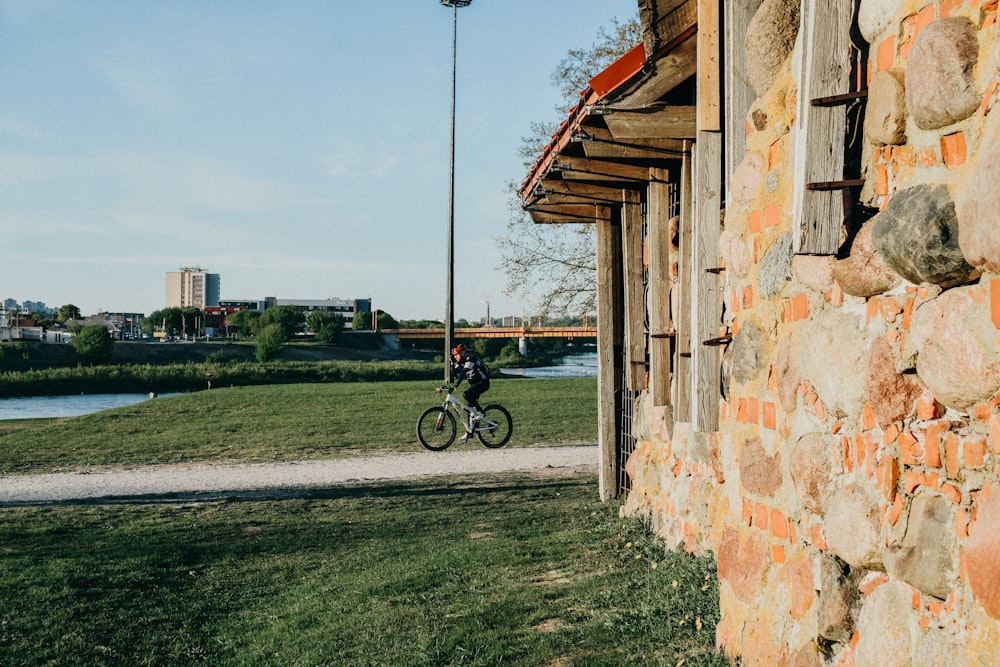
(624, 397)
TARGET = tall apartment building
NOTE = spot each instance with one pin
(192, 286)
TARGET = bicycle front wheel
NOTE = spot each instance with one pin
(495, 426)
(436, 429)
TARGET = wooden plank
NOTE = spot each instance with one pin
(607, 146)
(675, 122)
(683, 395)
(666, 21)
(824, 71)
(584, 169)
(608, 286)
(671, 71)
(634, 298)
(709, 82)
(739, 95)
(661, 327)
(707, 297)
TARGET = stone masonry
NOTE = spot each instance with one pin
(852, 492)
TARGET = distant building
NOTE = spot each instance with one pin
(194, 287)
(215, 316)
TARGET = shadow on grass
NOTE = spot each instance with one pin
(423, 488)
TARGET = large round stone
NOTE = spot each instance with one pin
(769, 40)
(979, 212)
(917, 234)
(940, 82)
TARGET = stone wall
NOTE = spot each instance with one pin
(851, 495)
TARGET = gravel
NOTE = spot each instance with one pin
(195, 479)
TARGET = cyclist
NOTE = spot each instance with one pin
(467, 366)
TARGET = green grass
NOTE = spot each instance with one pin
(284, 423)
(499, 570)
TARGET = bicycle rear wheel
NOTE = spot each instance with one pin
(436, 429)
(495, 426)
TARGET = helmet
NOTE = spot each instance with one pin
(458, 349)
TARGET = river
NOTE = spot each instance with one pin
(37, 407)
(576, 365)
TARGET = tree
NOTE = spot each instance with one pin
(94, 343)
(289, 318)
(269, 341)
(326, 326)
(556, 264)
(68, 312)
(362, 321)
(244, 321)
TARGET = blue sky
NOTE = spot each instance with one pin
(300, 149)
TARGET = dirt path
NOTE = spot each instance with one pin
(182, 479)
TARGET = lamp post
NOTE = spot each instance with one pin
(449, 315)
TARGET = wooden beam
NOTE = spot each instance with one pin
(605, 146)
(671, 70)
(707, 306)
(634, 300)
(674, 122)
(569, 213)
(817, 215)
(665, 21)
(584, 169)
(739, 95)
(709, 86)
(608, 354)
(683, 389)
(661, 328)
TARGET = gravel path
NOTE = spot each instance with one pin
(181, 479)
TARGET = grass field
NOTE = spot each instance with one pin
(285, 423)
(510, 569)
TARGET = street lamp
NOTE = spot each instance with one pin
(449, 315)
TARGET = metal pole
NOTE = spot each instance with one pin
(449, 324)
(449, 315)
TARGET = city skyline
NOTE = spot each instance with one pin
(296, 150)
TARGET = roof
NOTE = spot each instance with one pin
(635, 115)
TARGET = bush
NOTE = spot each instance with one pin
(270, 340)
(93, 343)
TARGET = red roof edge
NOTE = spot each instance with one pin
(619, 71)
(600, 86)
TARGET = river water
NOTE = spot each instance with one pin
(577, 365)
(36, 407)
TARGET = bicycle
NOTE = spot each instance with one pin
(437, 426)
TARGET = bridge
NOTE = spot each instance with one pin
(522, 333)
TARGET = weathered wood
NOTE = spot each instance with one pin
(707, 306)
(675, 122)
(709, 82)
(817, 215)
(606, 146)
(671, 71)
(584, 169)
(568, 213)
(661, 327)
(683, 396)
(739, 94)
(608, 293)
(665, 21)
(634, 299)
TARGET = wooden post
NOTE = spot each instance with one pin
(707, 306)
(709, 84)
(817, 215)
(661, 326)
(635, 307)
(739, 95)
(683, 293)
(608, 354)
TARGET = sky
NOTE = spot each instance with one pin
(298, 148)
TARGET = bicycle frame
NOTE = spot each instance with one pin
(464, 412)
